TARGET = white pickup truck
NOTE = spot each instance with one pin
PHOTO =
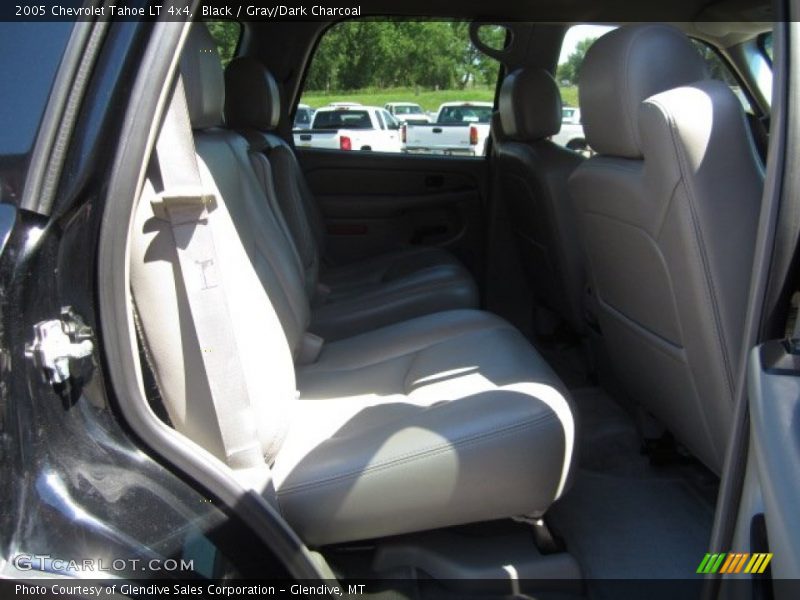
(351, 127)
(461, 128)
(407, 112)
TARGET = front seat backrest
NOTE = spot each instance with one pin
(669, 208)
(532, 174)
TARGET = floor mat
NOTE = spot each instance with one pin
(624, 518)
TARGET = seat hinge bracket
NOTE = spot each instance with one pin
(57, 343)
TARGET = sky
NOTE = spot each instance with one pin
(580, 32)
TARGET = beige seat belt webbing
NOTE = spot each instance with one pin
(186, 204)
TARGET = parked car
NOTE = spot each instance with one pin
(303, 116)
(571, 135)
(460, 128)
(407, 112)
(344, 104)
(351, 127)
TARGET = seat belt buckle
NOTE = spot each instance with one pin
(183, 204)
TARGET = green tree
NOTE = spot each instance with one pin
(569, 71)
(472, 65)
(226, 34)
(378, 53)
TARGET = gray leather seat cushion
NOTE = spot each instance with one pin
(358, 296)
(441, 420)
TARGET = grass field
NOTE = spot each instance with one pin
(429, 100)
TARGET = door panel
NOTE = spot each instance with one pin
(774, 391)
(376, 203)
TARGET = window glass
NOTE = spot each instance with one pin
(342, 119)
(577, 42)
(24, 95)
(31, 55)
(226, 34)
(766, 45)
(401, 72)
(465, 114)
(302, 117)
(391, 122)
(408, 109)
(719, 69)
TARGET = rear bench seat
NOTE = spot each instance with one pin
(350, 298)
(435, 421)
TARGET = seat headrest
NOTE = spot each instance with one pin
(621, 70)
(529, 105)
(201, 71)
(252, 99)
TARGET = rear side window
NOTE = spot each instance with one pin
(31, 55)
(413, 68)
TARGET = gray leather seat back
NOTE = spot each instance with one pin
(669, 209)
(532, 174)
(252, 106)
(346, 299)
(255, 257)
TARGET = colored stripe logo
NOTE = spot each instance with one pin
(735, 562)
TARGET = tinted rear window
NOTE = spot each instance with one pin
(342, 119)
(465, 114)
(407, 110)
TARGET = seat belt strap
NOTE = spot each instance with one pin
(186, 205)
